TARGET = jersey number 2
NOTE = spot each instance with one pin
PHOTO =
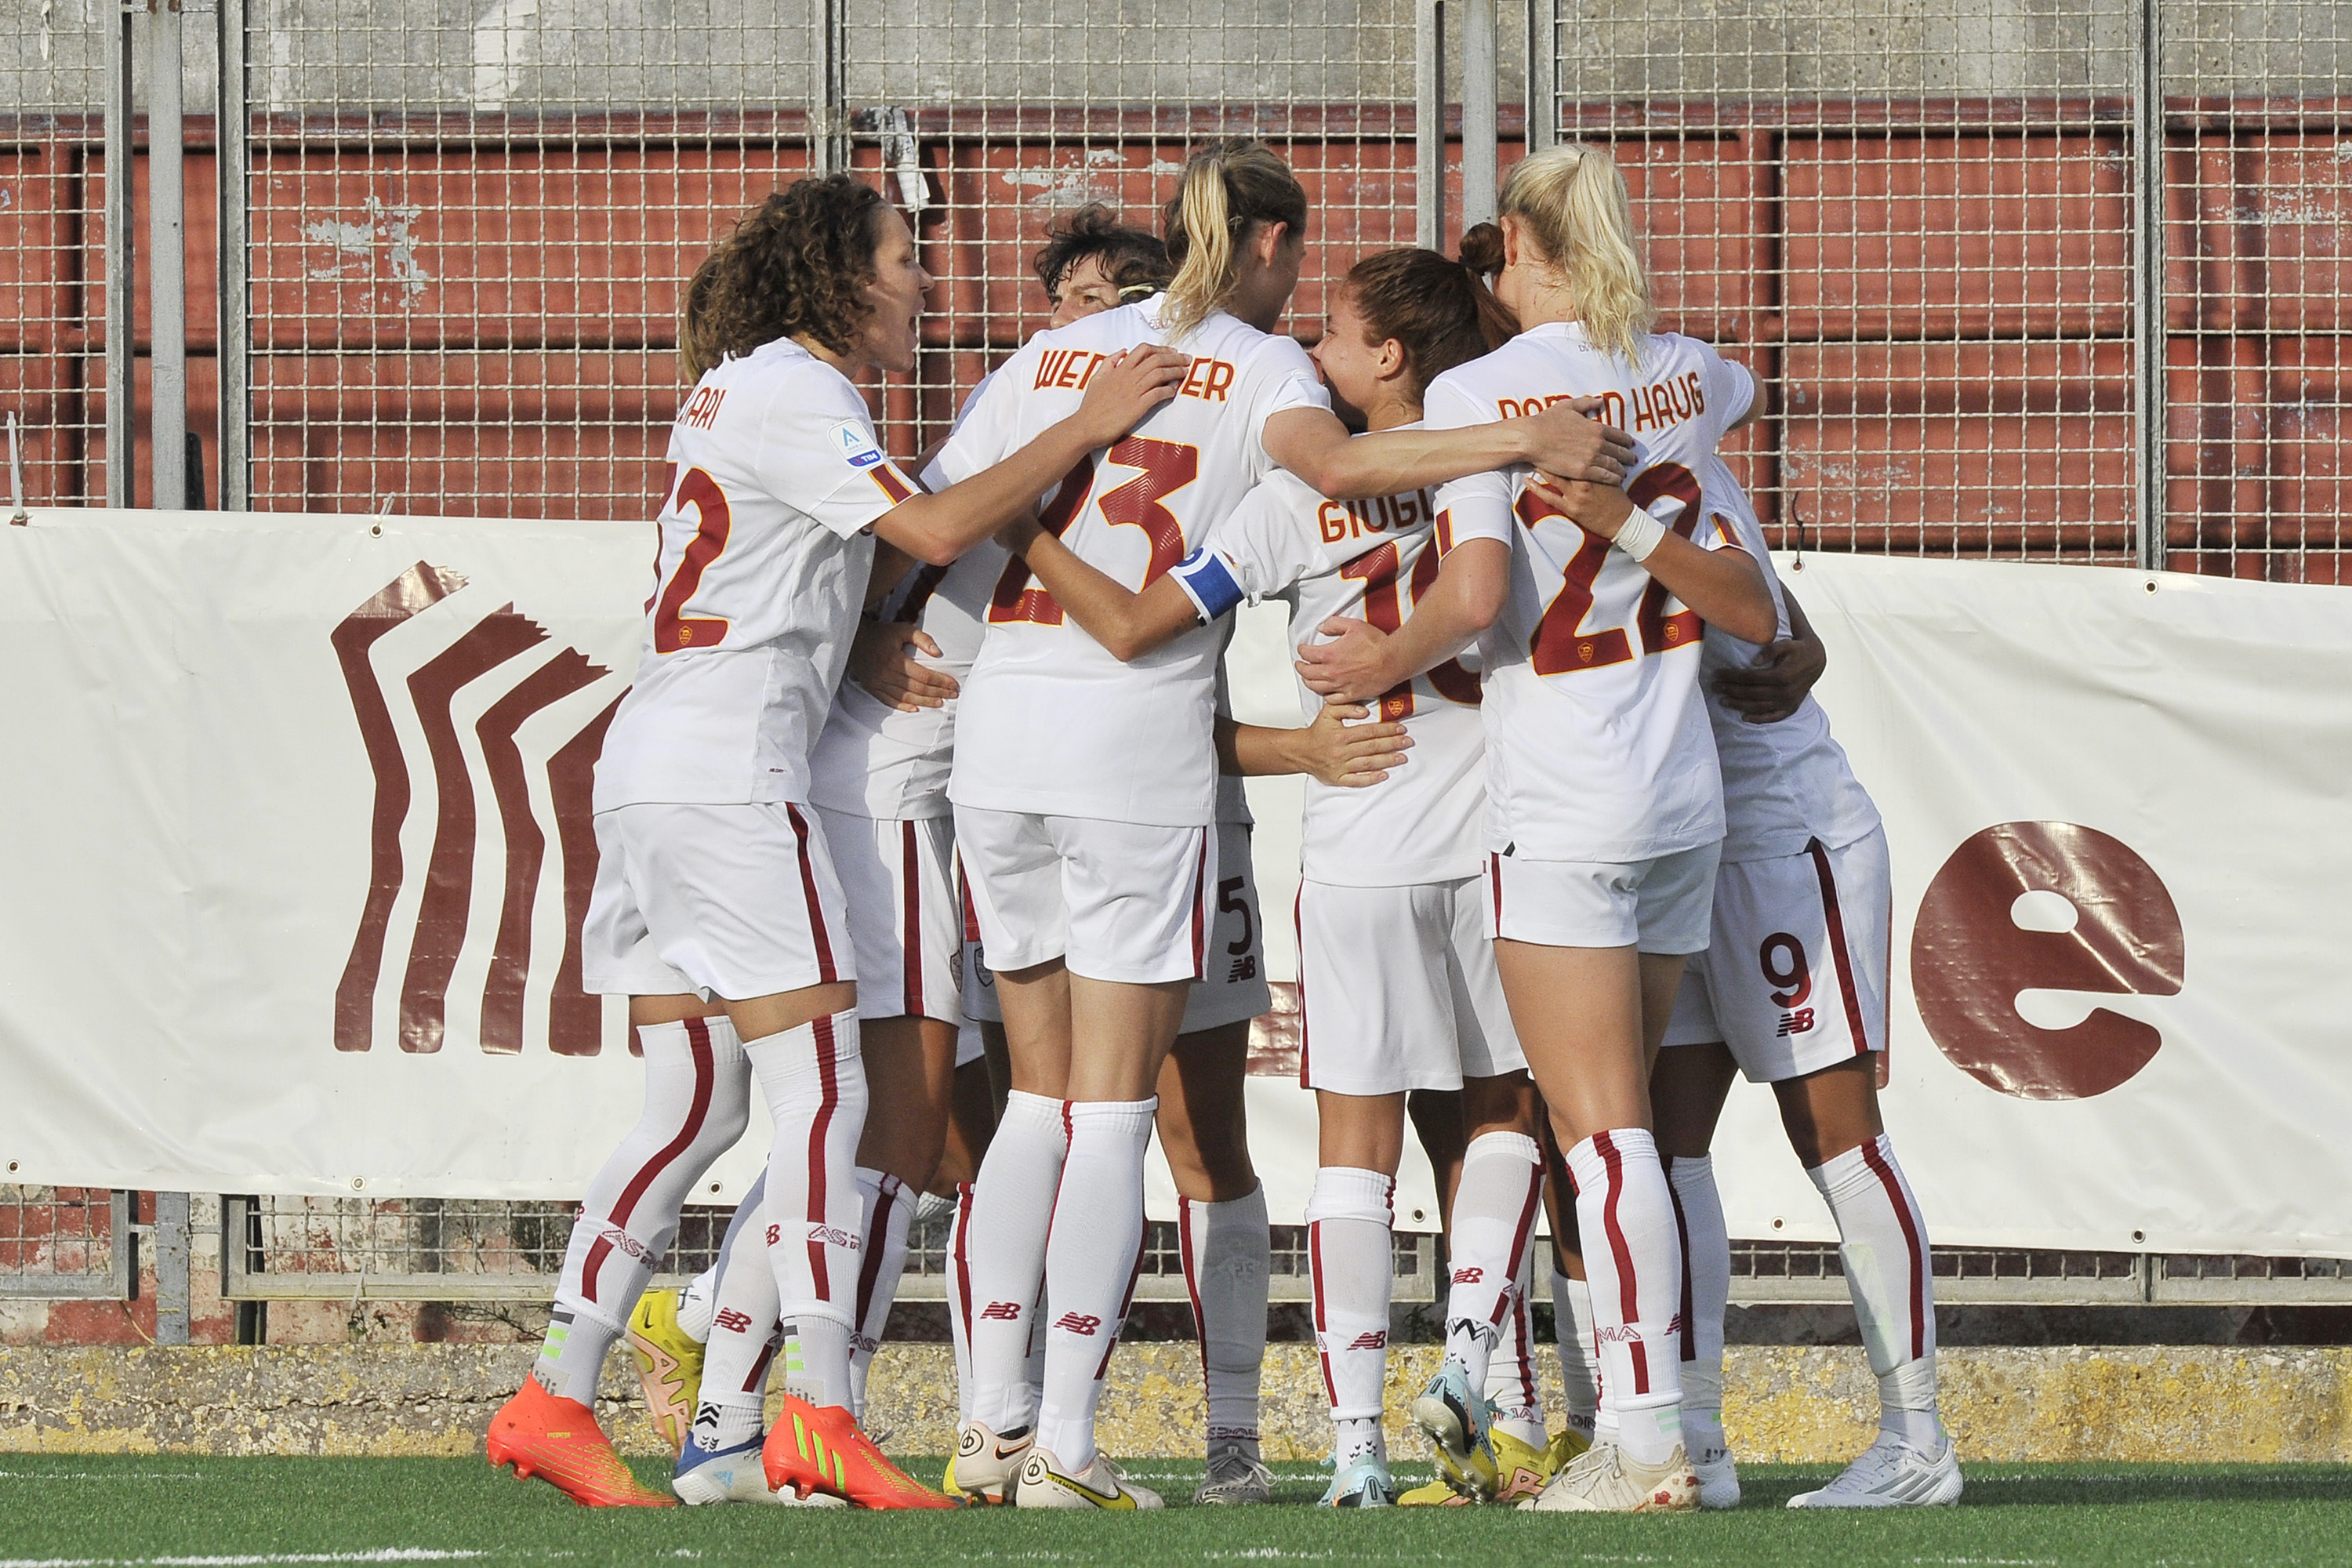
(1561, 643)
(672, 628)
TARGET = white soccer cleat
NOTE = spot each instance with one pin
(986, 1466)
(735, 1476)
(1605, 1479)
(1718, 1479)
(1046, 1484)
(1892, 1473)
(1236, 1478)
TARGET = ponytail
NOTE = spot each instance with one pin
(1226, 189)
(1574, 201)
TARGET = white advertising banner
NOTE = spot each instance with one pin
(297, 843)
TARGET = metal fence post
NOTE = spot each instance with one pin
(1429, 124)
(829, 114)
(233, 124)
(120, 352)
(171, 1241)
(2148, 391)
(1481, 68)
(166, 259)
(1543, 77)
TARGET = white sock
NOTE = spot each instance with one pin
(1350, 1217)
(1626, 1214)
(1511, 1390)
(1883, 1239)
(1494, 1215)
(1004, 1254)
(1707, 1295)
(1572, 1333)
(888, 1208)
(697, 1101)
(725, 1421)
(1226, 1249)
(1091, 1260)
(744, 1331)
(959, 1283)
(816, 1087)
(697, 1302)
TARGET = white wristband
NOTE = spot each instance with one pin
(1639, 535)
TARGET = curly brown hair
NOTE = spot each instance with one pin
(798, 263)
(1132, 258)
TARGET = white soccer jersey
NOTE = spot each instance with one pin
(876, 762)
(1784, 785)
(1051, 724)
(764, 550)
(1597, 738)
(1370, 561)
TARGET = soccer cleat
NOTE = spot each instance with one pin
(669, 1364)
(811, 1450)
(1455, 1417)
(558, 1440)
(1520, 1470)
(734, 1475)
(1439, 1493)
(1718, 1479)
(1044, 1484)
(1365, 1483)
(1236, 1477)
(1605, 1479)
(987, 1466)
(1891, 1473)
(1565, 1446)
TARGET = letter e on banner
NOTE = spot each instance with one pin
(1970, 959)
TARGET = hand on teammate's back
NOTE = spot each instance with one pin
(1573, 445)
(879, 660)
(1340, 750)
(1126, 386)
(1774, 683)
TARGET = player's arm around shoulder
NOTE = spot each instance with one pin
(1126, 623)
(1715, 576)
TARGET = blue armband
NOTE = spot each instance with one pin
(1208, 582)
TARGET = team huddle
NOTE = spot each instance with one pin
(927, 783)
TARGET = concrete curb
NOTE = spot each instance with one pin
(1780, 1405)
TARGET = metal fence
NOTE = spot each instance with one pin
(68, 1244)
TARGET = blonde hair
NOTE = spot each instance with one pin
(1226, 187)
(1572, 199)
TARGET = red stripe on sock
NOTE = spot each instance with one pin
(869, 1263)
(963, 1261)
(1321, 1308)
(818, 935)
(829, 1087)
(1911, 1241)
(1621, 1251)
(1838, 955)
(706, 1072)
(1520, 1237)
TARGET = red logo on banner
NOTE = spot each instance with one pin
(1970, 959)
(575, 1020)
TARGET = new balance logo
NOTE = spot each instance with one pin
(542, 712)
(733, 1322)
(1469, 1276)
(1371, 1340)
(1799, 1022)
(1244, 969)
(1002, 1312)
(1079, 1323)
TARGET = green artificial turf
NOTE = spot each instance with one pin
(85, 1512)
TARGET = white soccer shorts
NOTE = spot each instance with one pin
(1398, 989)
(1233, 990)
(1115, 901)
(1660, 906)
(731, 901)
(897, 875)
(1795, 977)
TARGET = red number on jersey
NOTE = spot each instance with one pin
(1661, 631)
(1168, 466)
(1014, 599)
(1562, 645)
(1377, 570)
(1452, 681)
(672, 628)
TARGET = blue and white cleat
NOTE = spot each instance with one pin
(734, 1475)
(1455, 1417)
(1365, 1483)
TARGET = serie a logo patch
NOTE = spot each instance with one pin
(855, 443)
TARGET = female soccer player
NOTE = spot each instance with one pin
(1605, 807)
(1085, 787)
(1792, 991)
(713, 882)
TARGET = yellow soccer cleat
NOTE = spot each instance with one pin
(669, 1364)
(1520, 1471)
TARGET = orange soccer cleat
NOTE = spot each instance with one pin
(558, 1440)
(824, 1450)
